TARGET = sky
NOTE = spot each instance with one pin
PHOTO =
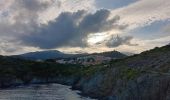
(83, 26)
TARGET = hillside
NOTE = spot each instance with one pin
(112, 54)
(16, 71)
(144, 76)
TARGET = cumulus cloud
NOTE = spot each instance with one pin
(118, 41)
(22, 18)
(48, 24)
(34, 5)
(60, 6)
(71, 29)
(27, 10)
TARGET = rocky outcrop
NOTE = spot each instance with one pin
(141, 77)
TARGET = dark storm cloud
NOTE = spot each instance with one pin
(56, 33)
(71, 29)
(118, 41)
(96, 22)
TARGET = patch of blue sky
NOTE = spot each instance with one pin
(113, 4)
(152, 31)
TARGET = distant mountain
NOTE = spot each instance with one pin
(51, 54)
(54, 54)
(112, 54)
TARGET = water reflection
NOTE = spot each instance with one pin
(41, 92)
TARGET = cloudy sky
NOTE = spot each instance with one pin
(76, 26)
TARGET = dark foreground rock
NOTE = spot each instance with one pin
(140, 77)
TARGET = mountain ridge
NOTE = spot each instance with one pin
(54, 54)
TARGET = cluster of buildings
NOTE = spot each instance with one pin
(86, 60)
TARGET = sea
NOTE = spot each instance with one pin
(41, 92)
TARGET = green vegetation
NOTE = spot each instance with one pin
(129, 73)
(91, 70)
(13, 69)
(25, 71)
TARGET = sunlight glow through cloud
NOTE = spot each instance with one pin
(40, 23)
(97, 37)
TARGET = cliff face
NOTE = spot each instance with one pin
(140, 77)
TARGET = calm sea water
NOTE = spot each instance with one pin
(41, 92)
